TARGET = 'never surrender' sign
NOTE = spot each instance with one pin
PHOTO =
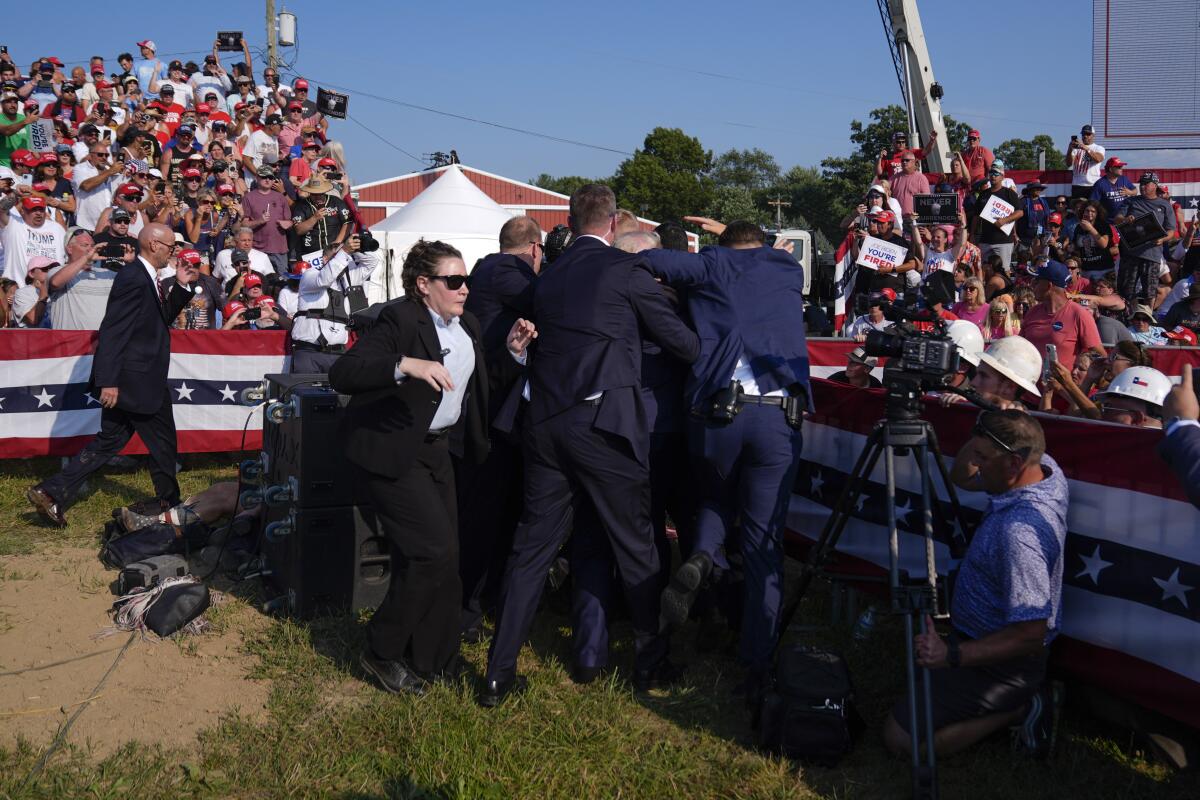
(875, 253)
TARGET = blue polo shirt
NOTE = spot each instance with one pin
(1108, 194)
(1013, 568)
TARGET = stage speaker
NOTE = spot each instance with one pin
(302, 444)
(324, 559)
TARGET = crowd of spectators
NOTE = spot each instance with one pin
(1053, 271)
(241, 168)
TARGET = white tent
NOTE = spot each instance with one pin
(452, 210)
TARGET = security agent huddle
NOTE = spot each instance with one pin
(329, 294)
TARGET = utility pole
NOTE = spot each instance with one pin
(272, 41)
(779, 204)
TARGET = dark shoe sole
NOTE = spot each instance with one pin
(416, 691)
(678, 597)
(585, 675)
(45, 509)
(488, 700)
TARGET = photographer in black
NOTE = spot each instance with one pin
(330, 291)
(319, 219)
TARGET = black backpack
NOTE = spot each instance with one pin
(807, 712)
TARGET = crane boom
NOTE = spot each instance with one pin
(922, 94)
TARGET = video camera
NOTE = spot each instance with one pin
(917, 360)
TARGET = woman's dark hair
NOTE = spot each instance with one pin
(1101, 216)
(423, 259)
(1135, 352)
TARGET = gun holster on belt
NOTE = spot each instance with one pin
(723, 406)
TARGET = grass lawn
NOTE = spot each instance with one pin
(325, 733)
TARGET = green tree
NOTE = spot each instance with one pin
(567, 184)
(750, 169)
(735, 202)
(1022, 153)
(667, 178)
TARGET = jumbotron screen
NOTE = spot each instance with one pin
(1146, 73)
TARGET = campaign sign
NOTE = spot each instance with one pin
(332, 104)
(41, 136)
(1141, 231)
(230, 41)
(997, 208)
(875, 253)
(936, 209)
(315, 259)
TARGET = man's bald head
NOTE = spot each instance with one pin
(518, 233)
(637, 241)
(155, 243)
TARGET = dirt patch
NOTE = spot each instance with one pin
(51, 607)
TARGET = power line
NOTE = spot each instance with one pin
(385, 141)
(476, 120)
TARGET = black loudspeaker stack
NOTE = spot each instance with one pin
(322, 550)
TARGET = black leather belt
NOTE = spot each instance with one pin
(760, 400)
(433, 436)
(329, 348)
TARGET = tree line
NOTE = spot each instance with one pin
(672, 175)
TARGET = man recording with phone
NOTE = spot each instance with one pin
(331, 290)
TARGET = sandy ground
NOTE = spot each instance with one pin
(52, 606)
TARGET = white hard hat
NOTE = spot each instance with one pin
(967, 338)
(1140, 383)
(1017, 359)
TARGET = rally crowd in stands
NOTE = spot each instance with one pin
(242, 169)
(239, 166)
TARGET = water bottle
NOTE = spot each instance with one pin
(865, 624)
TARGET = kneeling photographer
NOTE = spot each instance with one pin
(1007, 604)
(329, 293)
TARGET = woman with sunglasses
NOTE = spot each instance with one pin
(973, 307)
(1000, 321)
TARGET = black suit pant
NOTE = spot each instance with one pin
(117, 427)
(417, 622)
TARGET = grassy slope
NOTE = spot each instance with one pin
(329, 734)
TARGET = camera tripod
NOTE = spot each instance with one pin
(901, 433)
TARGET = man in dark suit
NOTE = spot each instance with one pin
(490, 493)
(747, 303)
(586, 433)
(1180, 447)
(129, 371)
(418, 389)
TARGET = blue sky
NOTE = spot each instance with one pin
(795, 72)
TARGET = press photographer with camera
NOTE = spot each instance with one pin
(319, 219)
(1006, 608)
(330, 291)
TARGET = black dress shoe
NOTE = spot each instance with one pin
(662, 675)
(395, 676)
(475, 634)
(585, 675)
(678, 597)
(494, 691)
(453, 672)
(46, 506)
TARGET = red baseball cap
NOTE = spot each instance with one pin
(294, 105)
(102, 84)
(310, 144)
(882, 215)
(225, 188)
(203, 108)
(231, 308)
(30, 160)
(30, 203)
(1114, 162)
(300, 84)
(42, 187)
(974, 133)
(238, 106)
(129, 190)
(265, 300)
(54, 60)
(190, 256)
(48, 158)
(191, 172)
(1056, 218)
(890, 294)
(1180, 334)
(252, 280)
(298, 268)
(327, 162)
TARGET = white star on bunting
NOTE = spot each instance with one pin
(1171, 587)
(816, 482)
(228, 394)
(862, 498)
(90, 399)
(1092, 566)
(44, 398)
(184, 392)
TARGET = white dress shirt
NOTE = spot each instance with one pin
(458, 357)
(313, 296)
(745, 376)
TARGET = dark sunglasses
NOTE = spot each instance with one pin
(981, 429)
(453, 282)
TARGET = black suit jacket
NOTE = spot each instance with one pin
(501, 293)
(133, 352)
(592, 310)
(386, 421)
